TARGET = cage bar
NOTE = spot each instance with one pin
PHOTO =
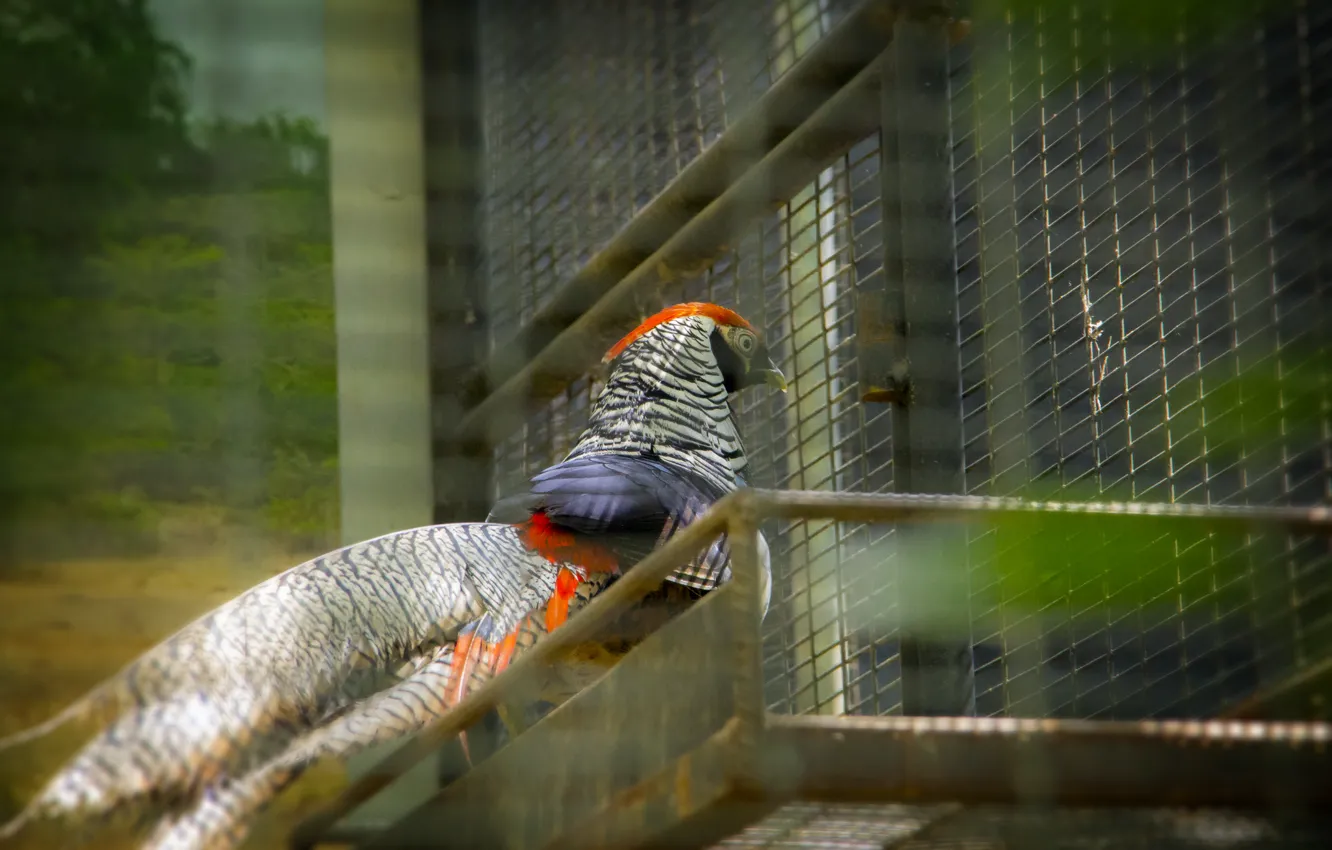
(700, 765)
(921, 377)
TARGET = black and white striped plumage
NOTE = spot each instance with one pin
(663, 424)
(375, 640)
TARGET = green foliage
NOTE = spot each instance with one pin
(1087, 567)
(302, 492)
(1243, 409)
(1098, 565)
(1236, 409)
(92, 102)
(1100, 32)
(274, 152)
(1048, 43)
(123, 232)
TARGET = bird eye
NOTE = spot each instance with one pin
(744, 342)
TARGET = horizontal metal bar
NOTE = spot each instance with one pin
(846, 117)
(829, 65)
(1307, 695)
(694, 802)
(357, 835)
(945, 816)
(896, 507)
(636, 583)
(1008, 761)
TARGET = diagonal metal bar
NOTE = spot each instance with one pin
(552, 787)
(1303, 695)
(652, 571)
(788, 104)
(842, 121)
(693, 800)
(633, 586)
(845, 114)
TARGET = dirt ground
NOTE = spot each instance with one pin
(66, 626)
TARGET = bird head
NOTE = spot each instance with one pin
(741, 355)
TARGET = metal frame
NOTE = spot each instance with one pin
(1304, 695)
(692, 769)
(826, 102)
(379, 269)
(911, 359)
(381, 278)
(451, 100)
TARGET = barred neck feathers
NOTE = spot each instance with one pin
(665, 397)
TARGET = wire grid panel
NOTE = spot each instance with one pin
(590, 110)
(792, 275)
(810, 826)
(795, 278)
(1128, 240)
(1078, 193)
(592, 107)
(864, 826)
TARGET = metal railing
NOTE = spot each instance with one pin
(1218, 763)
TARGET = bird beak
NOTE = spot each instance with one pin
(773, 377)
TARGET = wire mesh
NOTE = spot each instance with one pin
(846, 827)
(791, 276)
(873, 827)
(682, 71)
(794, 279)
(592, 107)
(1127, 241)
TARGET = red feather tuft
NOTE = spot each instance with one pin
(557, 610)
(720, 315)
(559, 546)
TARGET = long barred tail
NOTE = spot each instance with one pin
(102, 703)
(99, 702)
(395, 713)
(221, 817)
(222, 813)
(235, 690)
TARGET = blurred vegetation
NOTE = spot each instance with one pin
(1250, 415)
(1251, 412)
(1090, 564)
(118, 226)
(1097, 34)
(1260, 412)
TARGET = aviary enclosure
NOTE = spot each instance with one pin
(1069, 252)
(1048, 495)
